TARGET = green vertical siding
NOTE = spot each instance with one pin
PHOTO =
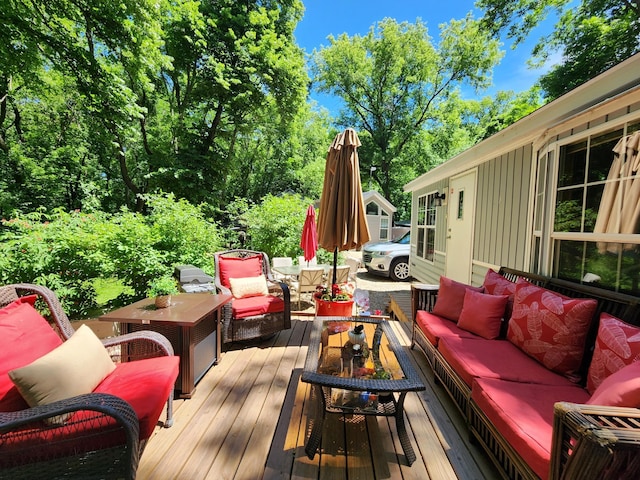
(501, 234)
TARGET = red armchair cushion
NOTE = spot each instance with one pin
(236, 267)
(450, 298)
(523, 414)
(620, 389)
(145, 385)
(480, 358)
(550, 327)
(617, 345)
(252, 306)
(26, 336)
(435, 327)
(482, 314)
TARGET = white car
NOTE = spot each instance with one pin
(390, 259)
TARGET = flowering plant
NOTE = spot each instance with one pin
(338, 293)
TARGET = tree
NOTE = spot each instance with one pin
(592, 37)
(394, 82)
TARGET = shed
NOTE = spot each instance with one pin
(554, 193)
(379, 216)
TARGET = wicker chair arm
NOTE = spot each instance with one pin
(595, 441)
(423, 297)
(147, 344)
(108, 408)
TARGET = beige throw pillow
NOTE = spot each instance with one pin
(249, 286)
(74, 368)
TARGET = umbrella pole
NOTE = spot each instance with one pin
(335, 264)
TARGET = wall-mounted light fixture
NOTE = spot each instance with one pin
(438, 198)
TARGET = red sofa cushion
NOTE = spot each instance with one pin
(450, 298)
(252, 306)
(145, 385)
(523, 414)
(551, 327)
(620, 389)
(480, 358)
(435, 327)
(617, 345)
(236, 267)
(482, 314)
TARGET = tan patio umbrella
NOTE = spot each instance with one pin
(342, 222)
(619, 210)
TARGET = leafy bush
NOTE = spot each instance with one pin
(68, 251)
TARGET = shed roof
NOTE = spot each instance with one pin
(374, 196)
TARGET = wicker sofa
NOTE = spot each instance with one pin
(98, 434)
(533, 421)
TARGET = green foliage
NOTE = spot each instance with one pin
(591, 35)
(69, 251)
(394, 83)
(275, 225)
(165, 285)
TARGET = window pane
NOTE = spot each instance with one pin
(430, 244)
(372, 208)
(420, 244)
(601, 155)
(421, 210)
(594, 195)
(569, 210)
(460, 204)
(573, 160)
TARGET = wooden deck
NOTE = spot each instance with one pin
(249, 419)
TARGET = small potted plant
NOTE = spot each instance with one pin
(162, 288)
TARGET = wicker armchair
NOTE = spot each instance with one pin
(266, 315)
(103, 437)
(591, 441)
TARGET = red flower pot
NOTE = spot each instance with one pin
(327, 308)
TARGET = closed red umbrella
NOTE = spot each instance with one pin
(309, 239)
(342, 222)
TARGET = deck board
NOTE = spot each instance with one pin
(250, 418)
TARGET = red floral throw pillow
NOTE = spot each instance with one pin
(617, 345)
(482, 314)
(236, 267)
(496, 284)
(550, 327)
(450, 298)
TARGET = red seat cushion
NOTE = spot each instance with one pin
(551, 327)
(480, 358)
(252, 306)
(523, 414)
(145, 385)
(237, 267)
(435, 327)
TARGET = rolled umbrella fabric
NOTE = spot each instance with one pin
(309, 239)
(619, 210)
(342, 221)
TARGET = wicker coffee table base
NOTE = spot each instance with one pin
(321, 398)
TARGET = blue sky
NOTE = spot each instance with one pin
(325, 17)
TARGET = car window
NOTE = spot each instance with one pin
(404, 240)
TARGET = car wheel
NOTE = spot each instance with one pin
(399, 270)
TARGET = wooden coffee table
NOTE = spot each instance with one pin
(191, 324)
(371, 380)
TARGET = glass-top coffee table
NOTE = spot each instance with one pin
(360, 374)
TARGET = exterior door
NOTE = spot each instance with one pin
(461, 201)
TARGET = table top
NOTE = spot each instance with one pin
(384, 364)
(186, 309)
(295, 269)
